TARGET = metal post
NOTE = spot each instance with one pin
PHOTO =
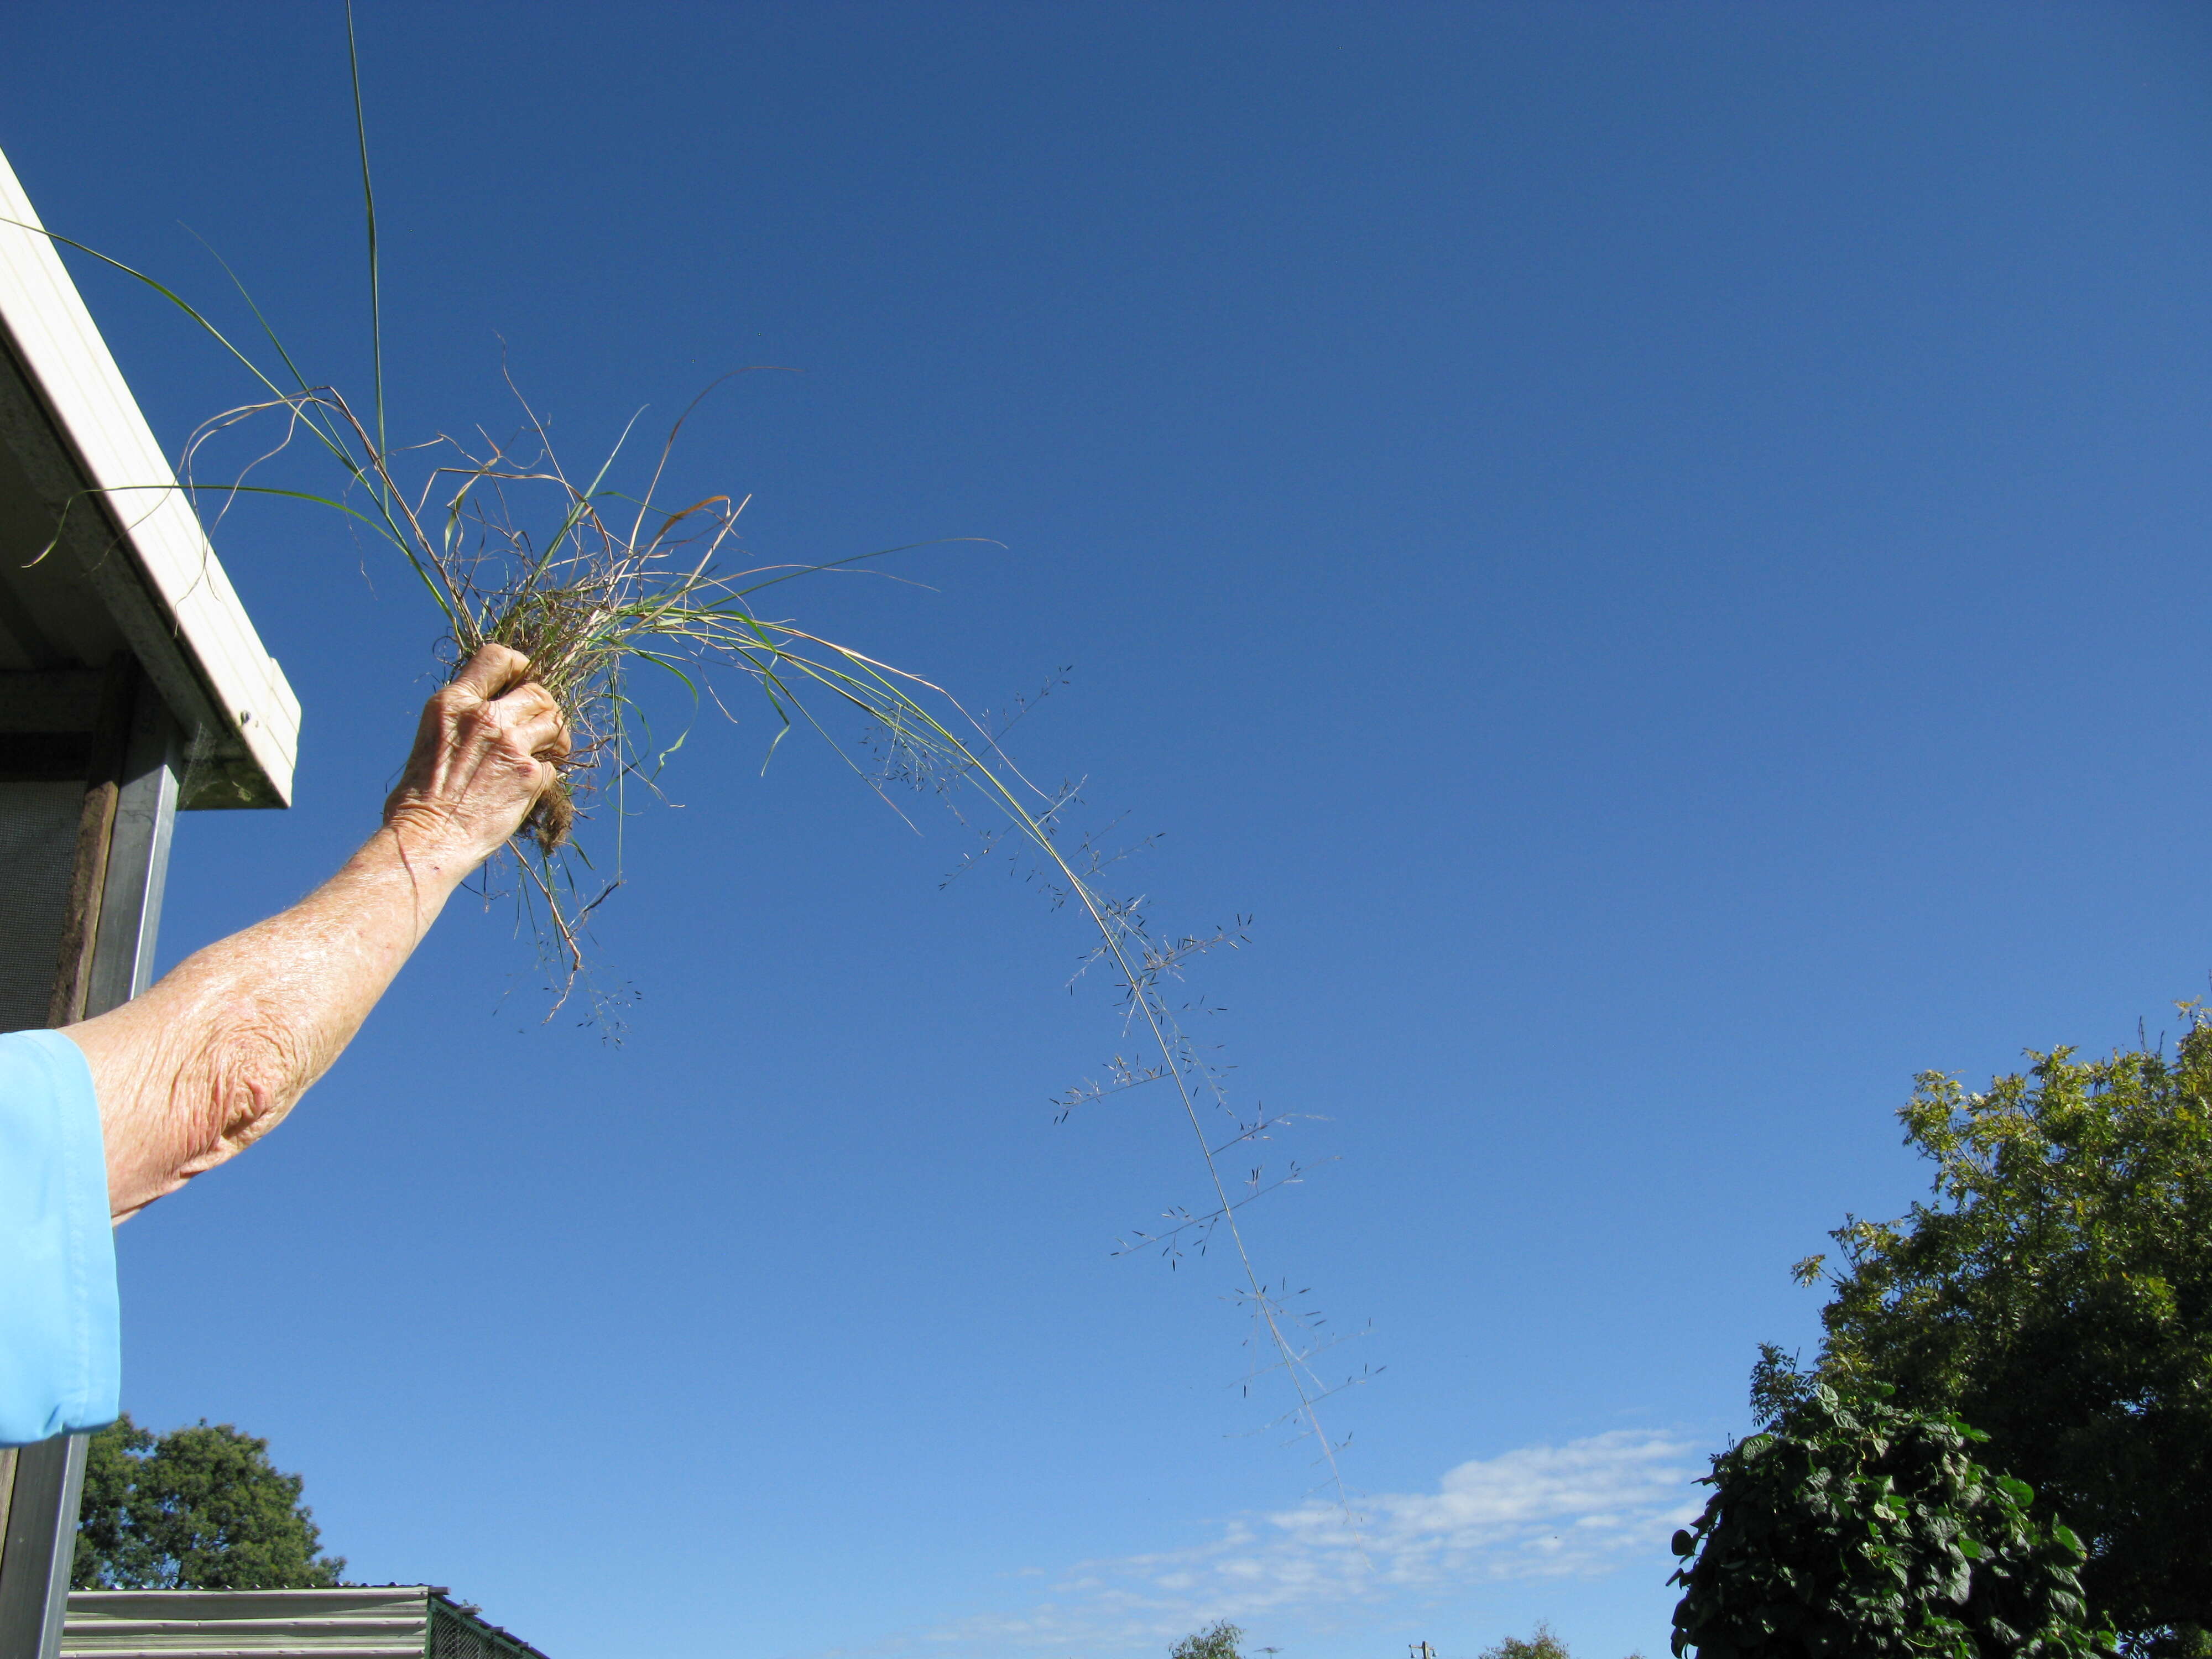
(35, 1574)
(38, 1544)
(138, 859)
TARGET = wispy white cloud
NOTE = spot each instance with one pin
(1542, 1512)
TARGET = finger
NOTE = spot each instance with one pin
(542, 731)
(529, 705)
(525, 701)
(492, 670)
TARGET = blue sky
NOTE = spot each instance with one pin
(1656, 551)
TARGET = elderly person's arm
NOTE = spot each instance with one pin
(211, 1058)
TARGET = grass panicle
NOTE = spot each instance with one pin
(596, 586)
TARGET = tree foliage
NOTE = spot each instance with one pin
(1540, 1645)
(2057, 1292)
(1217, 1641)
(199, 1508)
(1853, 1527)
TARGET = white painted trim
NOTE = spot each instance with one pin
(61, 347)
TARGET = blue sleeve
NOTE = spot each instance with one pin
(61, 1357)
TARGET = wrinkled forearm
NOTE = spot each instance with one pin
(212, 1057)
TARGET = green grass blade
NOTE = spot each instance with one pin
(368, 211)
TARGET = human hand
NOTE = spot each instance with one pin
(486, 750)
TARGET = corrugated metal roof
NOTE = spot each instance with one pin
(391, 1621)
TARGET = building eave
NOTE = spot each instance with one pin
(94, 473)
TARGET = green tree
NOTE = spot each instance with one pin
(1853, 1527)
(199, 1508)
(1218, 1641)
(1542, 1644)
(2057, 1292)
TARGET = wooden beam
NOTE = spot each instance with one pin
(103, 787)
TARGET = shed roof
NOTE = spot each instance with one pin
(384, 1622)
(133, 567)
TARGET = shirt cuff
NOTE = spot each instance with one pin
(61, 1361)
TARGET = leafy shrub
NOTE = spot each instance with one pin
(1855, 1529)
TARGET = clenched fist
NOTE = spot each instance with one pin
(488, 746)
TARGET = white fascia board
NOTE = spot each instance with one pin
(61, 347)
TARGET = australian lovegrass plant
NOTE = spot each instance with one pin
(597, 587)
(601, 584)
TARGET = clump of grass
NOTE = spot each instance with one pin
(598, 585)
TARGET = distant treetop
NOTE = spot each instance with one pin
(198, 1508)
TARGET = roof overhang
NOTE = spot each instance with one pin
(132, 568)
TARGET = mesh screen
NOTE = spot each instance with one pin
(38, 853)
(451, 1638)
